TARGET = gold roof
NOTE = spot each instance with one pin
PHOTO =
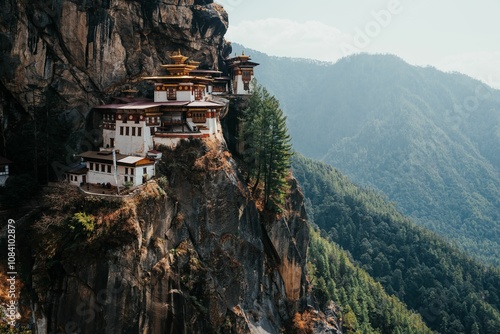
(179, 58)
(180, 67)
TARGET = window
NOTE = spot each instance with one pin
(133, 131)
(139, 132)
(247, 76)
(137, 119)
(109, 168)
(91, 166)
(103, 168)
(126, 170)
(126, 178)
(131, 171)
(199, 117)
(126, 131)
(144, 170)
(96, 167)
(131, 179)
(198, 94)
(171, 94)
(121, 130)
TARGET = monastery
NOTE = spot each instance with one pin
(188, 103)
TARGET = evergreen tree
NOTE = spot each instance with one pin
(267, 148)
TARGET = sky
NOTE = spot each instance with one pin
(460, 35)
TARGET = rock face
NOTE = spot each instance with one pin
(188, 255)
(69, 55)
(191, 256)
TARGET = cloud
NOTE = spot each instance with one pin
(282, 37)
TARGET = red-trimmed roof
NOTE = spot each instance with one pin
(141, 105)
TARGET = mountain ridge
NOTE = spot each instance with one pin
(453, 292)
(429, 140)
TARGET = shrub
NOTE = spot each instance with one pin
(82, 223)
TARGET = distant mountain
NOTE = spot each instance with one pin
(429, 140)
(452, 292)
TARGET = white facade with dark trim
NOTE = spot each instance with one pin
(130, 170)
(183, 108)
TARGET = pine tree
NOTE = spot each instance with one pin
(250, 133)
(267, 148)
(278, 153)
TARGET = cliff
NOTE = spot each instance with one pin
(190, 253)
(60, 58)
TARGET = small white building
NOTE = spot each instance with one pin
(77, 174)
(4, 170)
(241, 73)
(130, 170)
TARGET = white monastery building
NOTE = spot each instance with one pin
(187, 104)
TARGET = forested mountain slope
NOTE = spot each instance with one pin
(452, 292)
(429, 140)
(366, 307)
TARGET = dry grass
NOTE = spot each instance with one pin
(215, 157)
(303, 323)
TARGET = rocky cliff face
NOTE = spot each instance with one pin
(187, 255)
(60, 58)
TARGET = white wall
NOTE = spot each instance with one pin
(185, 95)
(133, 145)
(169, 142)
(106, 137)
(160, 96)
(240, 85)
(124, 174)
(95, 177)
(74, 179)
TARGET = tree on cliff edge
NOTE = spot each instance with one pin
(267, 148)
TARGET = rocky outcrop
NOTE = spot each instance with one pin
(187, 254)
(190, 256)
(63, 57)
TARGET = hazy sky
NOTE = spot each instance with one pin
(460, 35)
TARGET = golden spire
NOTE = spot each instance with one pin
(178, 58)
